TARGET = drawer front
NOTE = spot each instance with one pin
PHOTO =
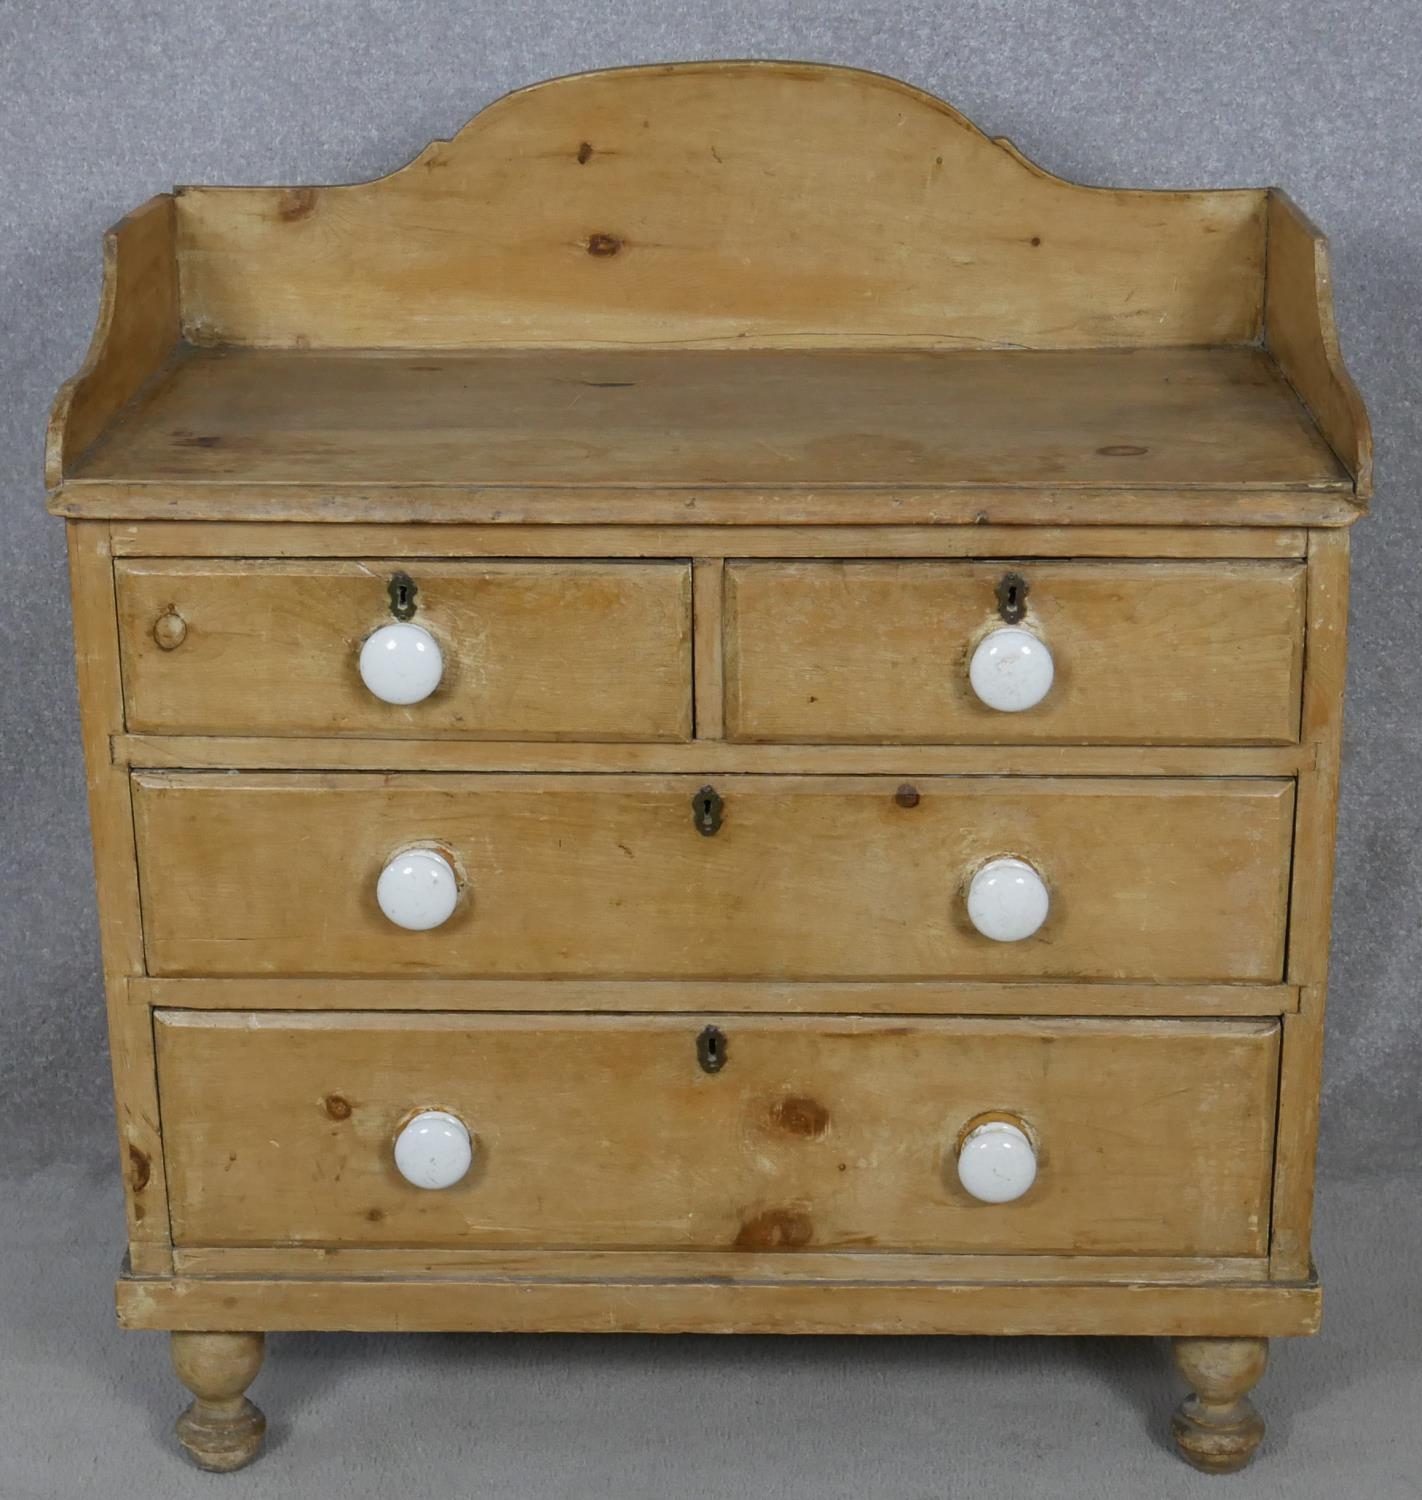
(531, 650)
(815, 877)
(605, 1131)
(1142, 652)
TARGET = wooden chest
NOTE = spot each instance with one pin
(715, 707)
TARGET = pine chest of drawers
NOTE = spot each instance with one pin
(715, 707)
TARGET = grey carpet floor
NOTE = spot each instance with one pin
(86, 1410)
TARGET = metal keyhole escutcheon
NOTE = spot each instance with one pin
(1012, 597)
(402, 593)
(711, 1049)
(706, 810)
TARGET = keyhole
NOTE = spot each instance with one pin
(402, 593)
(1012, 597)
(706, 808)
(711, 1050)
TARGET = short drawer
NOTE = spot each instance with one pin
(1149, 1137)
(531, 650)
(618, 876)
(1181, 653)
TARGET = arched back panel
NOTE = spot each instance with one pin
(720, 204)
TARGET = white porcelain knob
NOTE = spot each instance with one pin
(1007, 900)
(401, 663)
(434, 1150)
(1011, 670)
(996, 1162)
(417, 889)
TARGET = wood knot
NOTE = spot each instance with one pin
(603, 245)
(140, 1169)
(337, 1106)
(775, 1229)
(797, 1115)
(296, 203)
(1122, 450)
(907, 796)
(585, 152)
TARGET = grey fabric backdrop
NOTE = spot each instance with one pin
(103, 102)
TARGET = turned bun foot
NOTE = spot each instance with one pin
(221, 1430)
(1217, 1428)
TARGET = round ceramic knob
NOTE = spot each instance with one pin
(1007, 900)
(996, 1162)
(401, 663)
(417, 889)
(434, 1150)
(1011, 670)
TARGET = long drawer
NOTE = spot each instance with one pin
(620, 876)
(1151, 1137)
(531, 650)
(1189, 653)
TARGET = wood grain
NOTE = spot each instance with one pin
(712, 400)
(1153, 1136)
(1041, 505)
(701, 757)
(1216, 1427)
(568, 650)
(720, 203)
(221, 1430)
(1302, 336)
(1134, 419)
(1145, 653)
(354, 539)
(120, 925)
(628, 1305)
(862, 997)
(1311, 902)
(844, 1266)
(708, 584)
(136, 333)
(812, 877)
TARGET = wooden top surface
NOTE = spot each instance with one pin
(723, 293)
(1137, 419)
